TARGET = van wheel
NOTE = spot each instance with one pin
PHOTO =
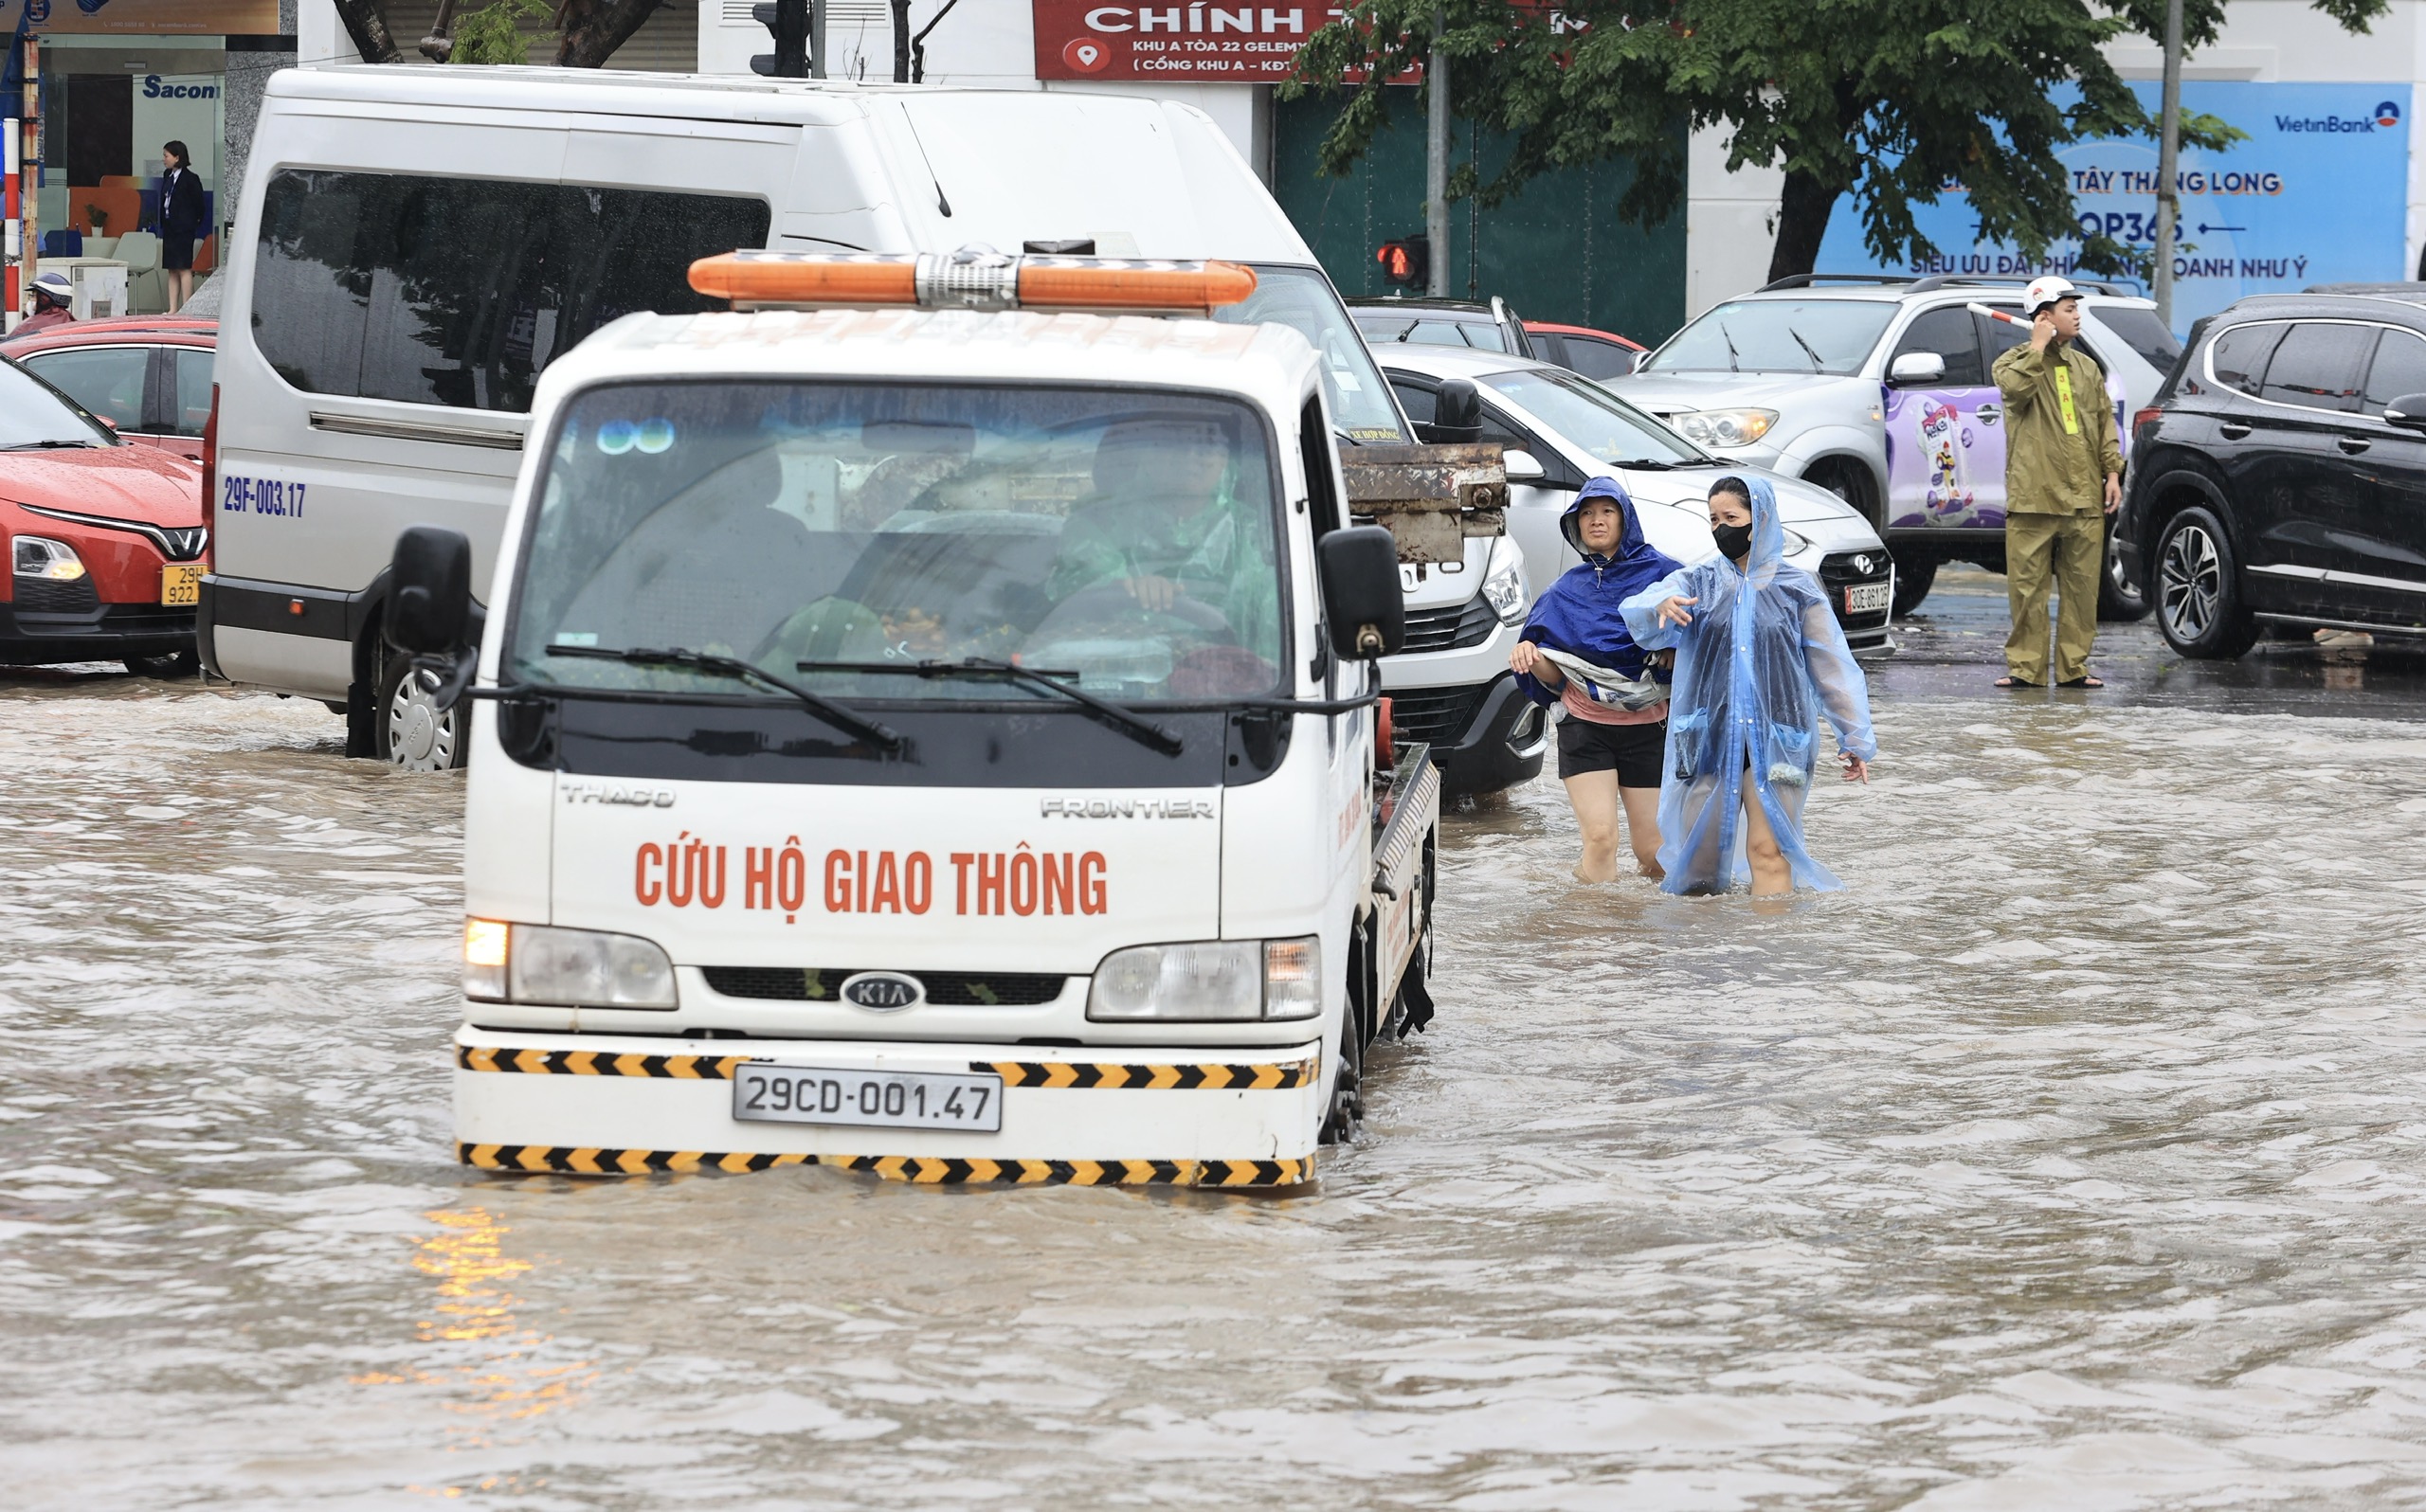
(1912, 585)
(409, 731)
(175, 664)
(2197, 587)
(2118, 602)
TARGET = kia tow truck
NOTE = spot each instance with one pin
(927, 725)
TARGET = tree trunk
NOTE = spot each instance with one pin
(366, 24)
(1803, 220)
(588, 32)
(901, 41)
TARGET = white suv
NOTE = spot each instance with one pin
(1877, 388)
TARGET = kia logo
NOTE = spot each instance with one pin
(884, 992)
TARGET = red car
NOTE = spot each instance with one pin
(1581, 348)
(147, 375)
(105, 538)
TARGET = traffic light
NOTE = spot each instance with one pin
(1406, 261)
(789, 21)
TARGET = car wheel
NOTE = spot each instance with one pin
(1848, 482)
(175, 664)
(2197, 587)
(410, 733)
(1912, 580)
(2118, 600)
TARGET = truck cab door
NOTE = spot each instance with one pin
(1945, 440)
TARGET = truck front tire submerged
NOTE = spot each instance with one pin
(409, 731)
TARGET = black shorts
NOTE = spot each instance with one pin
(1636, 753)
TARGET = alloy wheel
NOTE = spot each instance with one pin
(2189, 582)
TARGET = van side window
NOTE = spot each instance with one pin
(457, 291)
(1322, 502)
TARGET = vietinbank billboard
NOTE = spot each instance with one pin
(2317, 194)
(1202, 42)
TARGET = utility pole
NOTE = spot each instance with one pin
(2168, 156)
(1436, 156)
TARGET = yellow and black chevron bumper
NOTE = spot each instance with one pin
(591, 1104)
(923, 1170)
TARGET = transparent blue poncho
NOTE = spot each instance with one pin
(1760, 662)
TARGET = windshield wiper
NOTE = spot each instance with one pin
(50, 445)
(740, 670)
(1145, 731)
(1817, 366)
(1732, 361)
(1646, 464)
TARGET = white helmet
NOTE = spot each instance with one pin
(2046, 291)
(56, 286)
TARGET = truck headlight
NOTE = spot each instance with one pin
(1503, 588)
(584, 968)
(1209, 981)
(1725, 428)
(39, 556)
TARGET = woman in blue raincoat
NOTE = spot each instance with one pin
(1577, 654)
(1759, 658)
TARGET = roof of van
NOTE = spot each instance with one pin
(1146, 177)
(1269, 363)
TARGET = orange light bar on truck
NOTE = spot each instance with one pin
(969, 279)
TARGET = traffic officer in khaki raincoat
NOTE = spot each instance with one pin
(2063, 476)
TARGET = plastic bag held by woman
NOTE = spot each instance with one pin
(1759, 658)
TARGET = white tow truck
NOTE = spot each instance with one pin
(927, 724)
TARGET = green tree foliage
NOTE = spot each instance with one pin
(494, 33)
(1887, 100)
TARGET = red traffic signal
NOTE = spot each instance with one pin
(1407, 261)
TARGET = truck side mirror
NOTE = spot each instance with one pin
(1361, 599)
(1457, 416)
(2408, 412)
(429, 591)
(1916, 367)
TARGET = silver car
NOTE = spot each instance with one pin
(1560, 429)
(1877, 389)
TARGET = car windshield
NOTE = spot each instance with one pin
(35, 416)
(1590, 416)
(1122, 537)
(1777, 335)
(1302, 300)
(1431, 331)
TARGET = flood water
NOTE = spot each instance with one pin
(2072, 1159)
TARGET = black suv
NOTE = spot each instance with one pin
(2281, 475)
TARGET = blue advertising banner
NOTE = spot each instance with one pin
(2317, 194)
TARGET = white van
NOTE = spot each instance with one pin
(1026, 826)
(417, 245)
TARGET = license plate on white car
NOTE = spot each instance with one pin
(1866, 598)
(869, 1099)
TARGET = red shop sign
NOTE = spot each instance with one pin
(1204, 42)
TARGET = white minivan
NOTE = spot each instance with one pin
(415, 245)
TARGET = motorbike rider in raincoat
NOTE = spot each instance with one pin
(1577, 654)
(1759, 658)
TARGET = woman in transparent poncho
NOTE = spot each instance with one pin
(1759, 658)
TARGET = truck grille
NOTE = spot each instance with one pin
(1436, 717)
(945, 989)
(1450, 628)
(1840, 570)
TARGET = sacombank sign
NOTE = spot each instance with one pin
(2385, 117)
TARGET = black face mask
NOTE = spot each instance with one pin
(1733, 540)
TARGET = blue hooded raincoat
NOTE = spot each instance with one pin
(1762, 660)
(1581, 612)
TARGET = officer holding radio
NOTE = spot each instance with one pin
(2063, 476)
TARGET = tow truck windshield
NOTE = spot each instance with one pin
(1119, 541)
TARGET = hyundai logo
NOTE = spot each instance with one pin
(884, 992)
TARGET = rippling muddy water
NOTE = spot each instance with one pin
(2072, 1159)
